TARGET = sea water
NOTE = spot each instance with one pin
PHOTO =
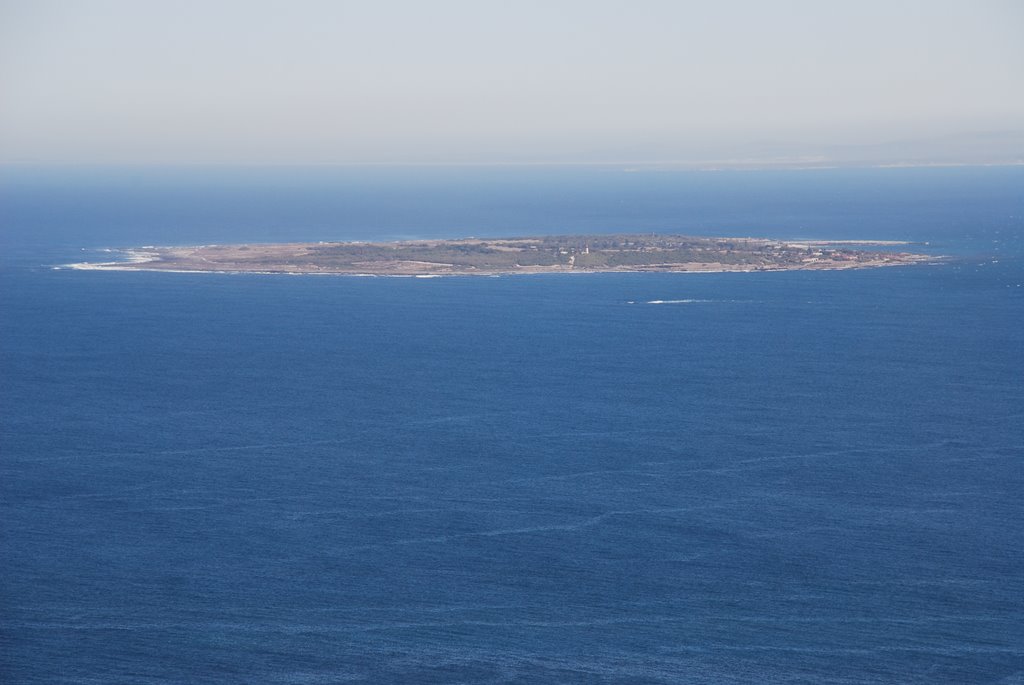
(646, 478)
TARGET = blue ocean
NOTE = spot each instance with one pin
(792, 477)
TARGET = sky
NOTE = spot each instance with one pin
(482, 82)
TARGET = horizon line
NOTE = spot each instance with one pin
(628, 165)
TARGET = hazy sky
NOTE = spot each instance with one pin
(309, 81)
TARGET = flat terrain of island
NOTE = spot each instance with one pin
(496, 256)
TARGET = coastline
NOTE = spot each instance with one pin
(114, 266)
(621, 253)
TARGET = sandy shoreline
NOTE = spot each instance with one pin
(115, 266)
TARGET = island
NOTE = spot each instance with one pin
(531, 255)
